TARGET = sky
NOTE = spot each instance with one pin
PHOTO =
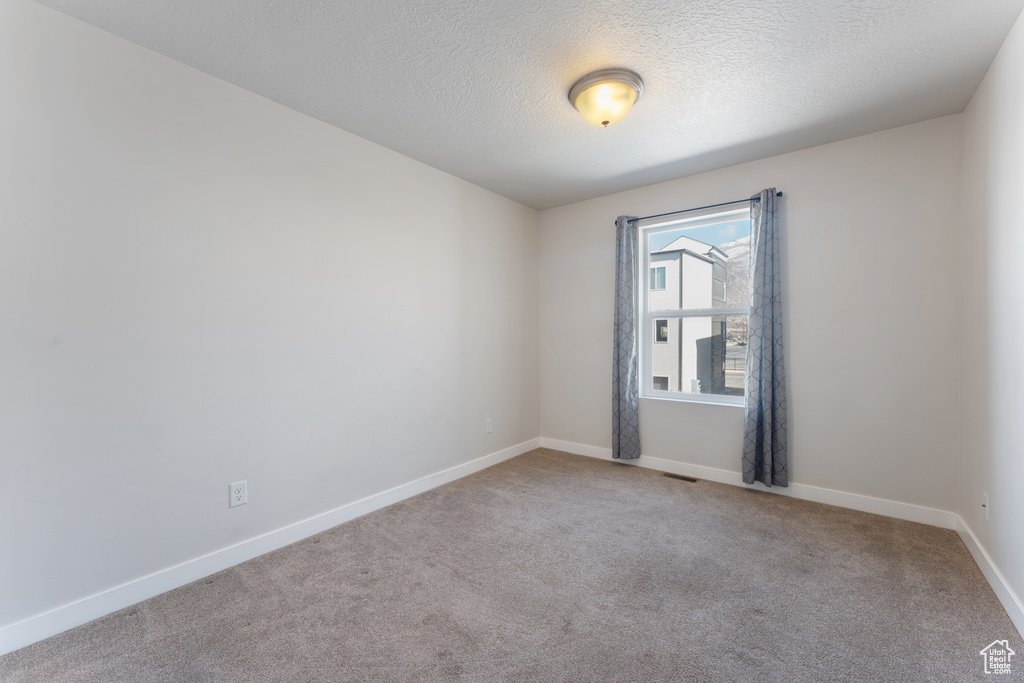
(711, 234)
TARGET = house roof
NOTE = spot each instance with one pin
(684, 243)
(701, 257)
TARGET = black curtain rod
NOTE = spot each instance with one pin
(709, 206)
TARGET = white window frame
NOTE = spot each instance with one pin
(645, 230)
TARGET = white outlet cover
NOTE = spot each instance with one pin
(238, 494)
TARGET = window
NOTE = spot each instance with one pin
(718, 275)
(657, 278)
(696, 306)
(661, 331)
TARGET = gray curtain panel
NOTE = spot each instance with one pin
(625, 370)
(765, 445)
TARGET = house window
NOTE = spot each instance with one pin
(699, 289)
(661, 331)
(719, 276)
(657, 278)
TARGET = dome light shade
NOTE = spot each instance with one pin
(605, 97)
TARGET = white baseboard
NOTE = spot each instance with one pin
(1010, 600)
(853, 501)
(57, 620)
(36, 628)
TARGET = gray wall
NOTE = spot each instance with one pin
(992, 329)
(199, 286)
(870, 242)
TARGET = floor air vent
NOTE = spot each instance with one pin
(681, 477)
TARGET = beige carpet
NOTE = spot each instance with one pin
(556, 567)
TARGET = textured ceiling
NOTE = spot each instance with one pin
(478, 88)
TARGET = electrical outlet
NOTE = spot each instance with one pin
(984, 503)
(488, 426)
(237, 494)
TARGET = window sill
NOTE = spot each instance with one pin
(729, 401)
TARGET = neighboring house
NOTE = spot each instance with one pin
(688, 273)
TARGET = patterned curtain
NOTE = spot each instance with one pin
(625, 370)
(764, 429)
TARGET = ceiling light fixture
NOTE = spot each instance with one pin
(605, 97)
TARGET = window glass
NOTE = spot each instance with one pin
(661, 331)
(657, 278)
(698, 266)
